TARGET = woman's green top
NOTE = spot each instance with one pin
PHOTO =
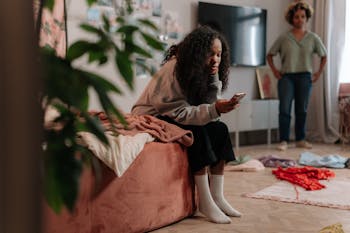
(297, 56)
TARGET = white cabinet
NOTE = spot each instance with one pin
(253, 115)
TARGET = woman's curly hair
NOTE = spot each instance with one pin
(191, 70)
(294, 7)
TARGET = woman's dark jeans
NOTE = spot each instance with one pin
(295, 86)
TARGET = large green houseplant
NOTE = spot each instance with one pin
(66, 89)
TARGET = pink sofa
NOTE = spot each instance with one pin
(156, 190)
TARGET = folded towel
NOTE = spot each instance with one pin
(122, 149)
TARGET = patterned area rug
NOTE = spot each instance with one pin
(335, 195)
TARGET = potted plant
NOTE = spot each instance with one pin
(66, 89)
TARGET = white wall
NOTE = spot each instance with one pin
(241, 78)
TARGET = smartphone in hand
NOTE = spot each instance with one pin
(237, 97)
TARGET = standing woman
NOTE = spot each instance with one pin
(185, 92)
(296, 48)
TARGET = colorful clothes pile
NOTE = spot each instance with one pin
(275, 161)
(306, 177)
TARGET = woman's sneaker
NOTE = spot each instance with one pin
(303, 144)
(282, 146)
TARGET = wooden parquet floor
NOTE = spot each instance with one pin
(265, 216)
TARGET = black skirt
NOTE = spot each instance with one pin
(211, 144)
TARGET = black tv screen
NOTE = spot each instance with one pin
(243, 27)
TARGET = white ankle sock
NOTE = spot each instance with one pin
(207, 205)
(217, 192)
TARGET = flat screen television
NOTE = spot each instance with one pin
(243, 27)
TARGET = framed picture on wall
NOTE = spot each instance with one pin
(267, 83)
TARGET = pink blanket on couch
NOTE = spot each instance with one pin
(161, 130)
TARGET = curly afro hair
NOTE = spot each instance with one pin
(294, 7)
(191, 70)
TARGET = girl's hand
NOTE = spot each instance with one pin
(224, 106)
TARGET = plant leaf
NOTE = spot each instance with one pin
(90, 28)
(148, 23)
(137, 49)
(52, 190)
(128, 29)
(97, 55)
(90, 2)
(106, 24)
(62, 168)
(103, 85)
(49, 4)
(78, 49)
(109, 108)
(153, 42)
(94, 126)
(125, 67)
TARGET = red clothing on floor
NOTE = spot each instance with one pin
(306, 177)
